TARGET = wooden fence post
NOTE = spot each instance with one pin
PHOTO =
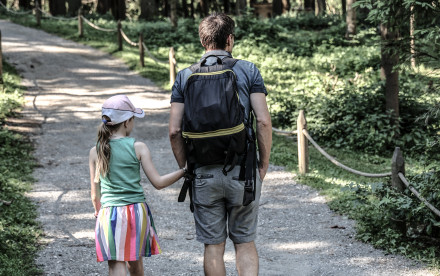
(172, 58)
(1, 59)
(37, 13)
(397, 165)
(141, 50)
(303, 148)
(80, 23)
(119, 35)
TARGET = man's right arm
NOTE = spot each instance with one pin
(264, 130)
(175, 133)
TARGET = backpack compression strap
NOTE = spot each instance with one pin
(248, 169)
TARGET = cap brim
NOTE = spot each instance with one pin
(139, 113)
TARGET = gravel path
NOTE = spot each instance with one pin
(67, 84)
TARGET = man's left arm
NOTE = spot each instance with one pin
(264, 130)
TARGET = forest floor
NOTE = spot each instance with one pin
(66, 84)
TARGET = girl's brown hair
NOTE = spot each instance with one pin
(103, 145)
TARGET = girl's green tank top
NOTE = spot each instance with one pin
(121, 186)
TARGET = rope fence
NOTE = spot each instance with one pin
(48, 15)
(417, 194)
(96, 27)
(337, 163)
(397, 173)
(15, 12)
(128, 40)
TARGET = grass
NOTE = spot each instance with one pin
(19, 231)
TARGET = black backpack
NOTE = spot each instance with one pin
(213, 125)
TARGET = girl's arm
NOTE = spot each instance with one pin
(95, 188)
(158, 181)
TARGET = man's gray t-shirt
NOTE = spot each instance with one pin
(249, 79)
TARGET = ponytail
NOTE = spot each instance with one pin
(103, 145)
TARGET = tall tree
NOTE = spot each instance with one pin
(57, 7)
(148, 9)
(411, 35)
(240, 6)
(320, 7)
(185, 9)
(173, 13)
(118, 9)
(309, 5)
(350, 19)
(192, 8)
(392, 17)
(277, 7)
(103, 6)
(204, 7)
(389, 61)
(24, 4)
(74, 6)
(227, 6)
(286, 6)
(343, 7)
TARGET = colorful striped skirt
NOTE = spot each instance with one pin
(125, 233)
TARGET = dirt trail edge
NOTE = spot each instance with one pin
(66, 85)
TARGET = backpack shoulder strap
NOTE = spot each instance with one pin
(195, 67)
(229, 62)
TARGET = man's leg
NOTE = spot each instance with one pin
(213, 263)
(246, 258)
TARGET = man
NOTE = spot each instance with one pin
(218, 198)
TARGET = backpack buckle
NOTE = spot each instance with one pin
(249, 186)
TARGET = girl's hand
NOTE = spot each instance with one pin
(96, 214)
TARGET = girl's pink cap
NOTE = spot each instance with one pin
(119, 109)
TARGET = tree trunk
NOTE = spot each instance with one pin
(204, 8)
(74, 6)
(277, 7)
(389, 59)
(320, 7)
(173, 13)
(192, 8)
(118, 9)
(185, 9)
(309, 5)
(350, 19)
(24, 4)
(148, 9)
(286, 6)
(412, 42)
(36, 1)
(240, 6)
(103, 6)
(57, 7)
(344, 7)
(165, 8)
(227, 6)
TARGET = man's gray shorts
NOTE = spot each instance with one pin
(218, 206)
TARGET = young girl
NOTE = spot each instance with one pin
(125, 229)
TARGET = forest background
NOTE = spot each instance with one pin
(365, 72)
